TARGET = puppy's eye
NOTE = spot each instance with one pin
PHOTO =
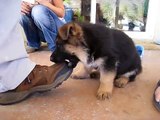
(58, 45)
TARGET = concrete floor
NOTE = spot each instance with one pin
(75, 99)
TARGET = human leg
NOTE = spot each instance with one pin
(47, 22)
(13, 58)
(68, 14)
(31, 31)
(156, 96)
(40, 79)
(19, 76)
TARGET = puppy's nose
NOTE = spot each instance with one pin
(56, 59)
(51, 59)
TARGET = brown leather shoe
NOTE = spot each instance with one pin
(42, 78)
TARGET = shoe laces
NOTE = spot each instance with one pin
(27, 81)
(37, 70)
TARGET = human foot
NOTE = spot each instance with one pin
(156, 97)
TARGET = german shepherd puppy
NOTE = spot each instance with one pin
(109, 51)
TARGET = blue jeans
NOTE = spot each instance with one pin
(68, 14)
(41, 25)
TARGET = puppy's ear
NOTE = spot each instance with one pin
(64, 31)
(70, 29)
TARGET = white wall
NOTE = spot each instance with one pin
(153, 24)
(156, 37)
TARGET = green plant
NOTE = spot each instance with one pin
(133, 11)
(79, 16)
(107, 11)
(67, 1)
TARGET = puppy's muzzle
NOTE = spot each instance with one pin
(64, 57)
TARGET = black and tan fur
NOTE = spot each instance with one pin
(111, 52)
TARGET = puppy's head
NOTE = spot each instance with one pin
(69, 40)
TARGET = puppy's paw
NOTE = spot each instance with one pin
(102, 95)
(76, 76)
(121, 82)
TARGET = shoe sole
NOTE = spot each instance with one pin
(15, 97)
